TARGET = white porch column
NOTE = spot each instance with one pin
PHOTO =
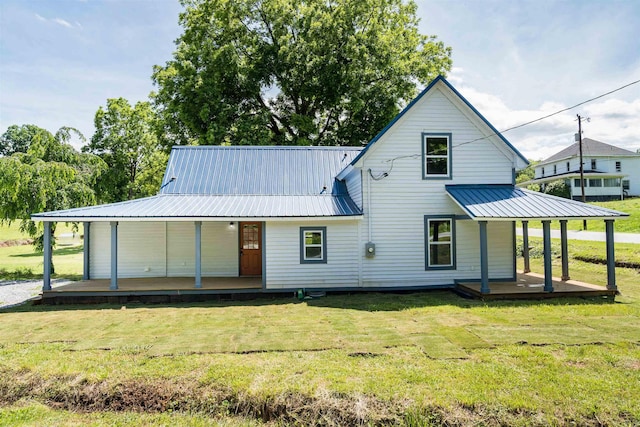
(565, 252)
(546, 236)
(86, 274)
(611, 256)
(46, 274)
(114, 256)
(484, 259)
(198, 225)
(525, 246)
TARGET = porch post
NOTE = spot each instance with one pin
(546, 236)
(484, 259)
(565, 252)
(87, 240)
(114, 256)
(198, 254)
(46, 274)
(525, 246)
(611, 256)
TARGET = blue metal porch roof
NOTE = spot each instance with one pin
(193, 206)
(505, 202)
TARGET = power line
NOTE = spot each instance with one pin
(552, 114)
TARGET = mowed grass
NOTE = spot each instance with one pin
(415, 359)
(23, 262)
(626, 225)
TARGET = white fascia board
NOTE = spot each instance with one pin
(191, 219)
(343, 174)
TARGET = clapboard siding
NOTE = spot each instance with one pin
(141, 250)
(283, 267)
(399, 202)
(100, 250)
(219, 250)
(354, 186)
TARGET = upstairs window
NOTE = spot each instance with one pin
(618, 166)
(436, 152)
(555, 169)
(542, 171)
(568, 166)
(593, 164)
(313, 245)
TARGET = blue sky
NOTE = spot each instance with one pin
(513, 60)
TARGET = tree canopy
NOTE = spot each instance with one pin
(51, 175)
(125, 138)
(16, 139)
(293, 72)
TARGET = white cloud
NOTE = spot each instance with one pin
(612, 120)
(59, 21)
(62, 22)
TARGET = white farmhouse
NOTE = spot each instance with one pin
(610, 173)
(429, 203)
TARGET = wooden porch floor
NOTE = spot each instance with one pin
(159, 284)
(531, 286)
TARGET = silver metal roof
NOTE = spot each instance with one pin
(505, 202)
(286, 171)
(590, 148)
(189, 206)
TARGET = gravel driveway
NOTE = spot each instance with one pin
(15, 292)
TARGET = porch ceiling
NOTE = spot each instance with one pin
(508, 203)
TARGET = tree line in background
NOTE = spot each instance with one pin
(244, 72)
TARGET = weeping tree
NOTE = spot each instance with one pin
(293, 72)
(50, 175)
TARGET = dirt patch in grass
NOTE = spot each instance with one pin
(328, 409)
(16, 242)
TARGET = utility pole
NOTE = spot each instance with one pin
(579, 139)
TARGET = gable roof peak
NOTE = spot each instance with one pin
(430, 86)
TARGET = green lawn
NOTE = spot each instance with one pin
(405, 359)
(23, 262)
(627, 225)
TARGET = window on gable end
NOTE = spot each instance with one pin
(618, 166)
(593, 164)
(436, 153)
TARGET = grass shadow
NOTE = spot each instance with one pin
(361, 301)
(71, 250)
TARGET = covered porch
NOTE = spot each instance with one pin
(531, 286)
(485, 203)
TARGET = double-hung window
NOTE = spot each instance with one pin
(440, 242)
(313, 245)
(436, 153)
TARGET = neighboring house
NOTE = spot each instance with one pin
(610, 173)
(429, 202)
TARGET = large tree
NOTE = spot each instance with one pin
(51, 175)
(16, 139)
(320, 72)
(125, 138)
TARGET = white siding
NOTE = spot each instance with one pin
(284, 270)
(400, 201)
(141, 250)
(219, 250)
(100, 250)
(354, 186)
(158, 249)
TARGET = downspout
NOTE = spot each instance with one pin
(369, 216)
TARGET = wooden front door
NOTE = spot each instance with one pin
(250, 249)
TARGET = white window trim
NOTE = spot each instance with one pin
(425, 156)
